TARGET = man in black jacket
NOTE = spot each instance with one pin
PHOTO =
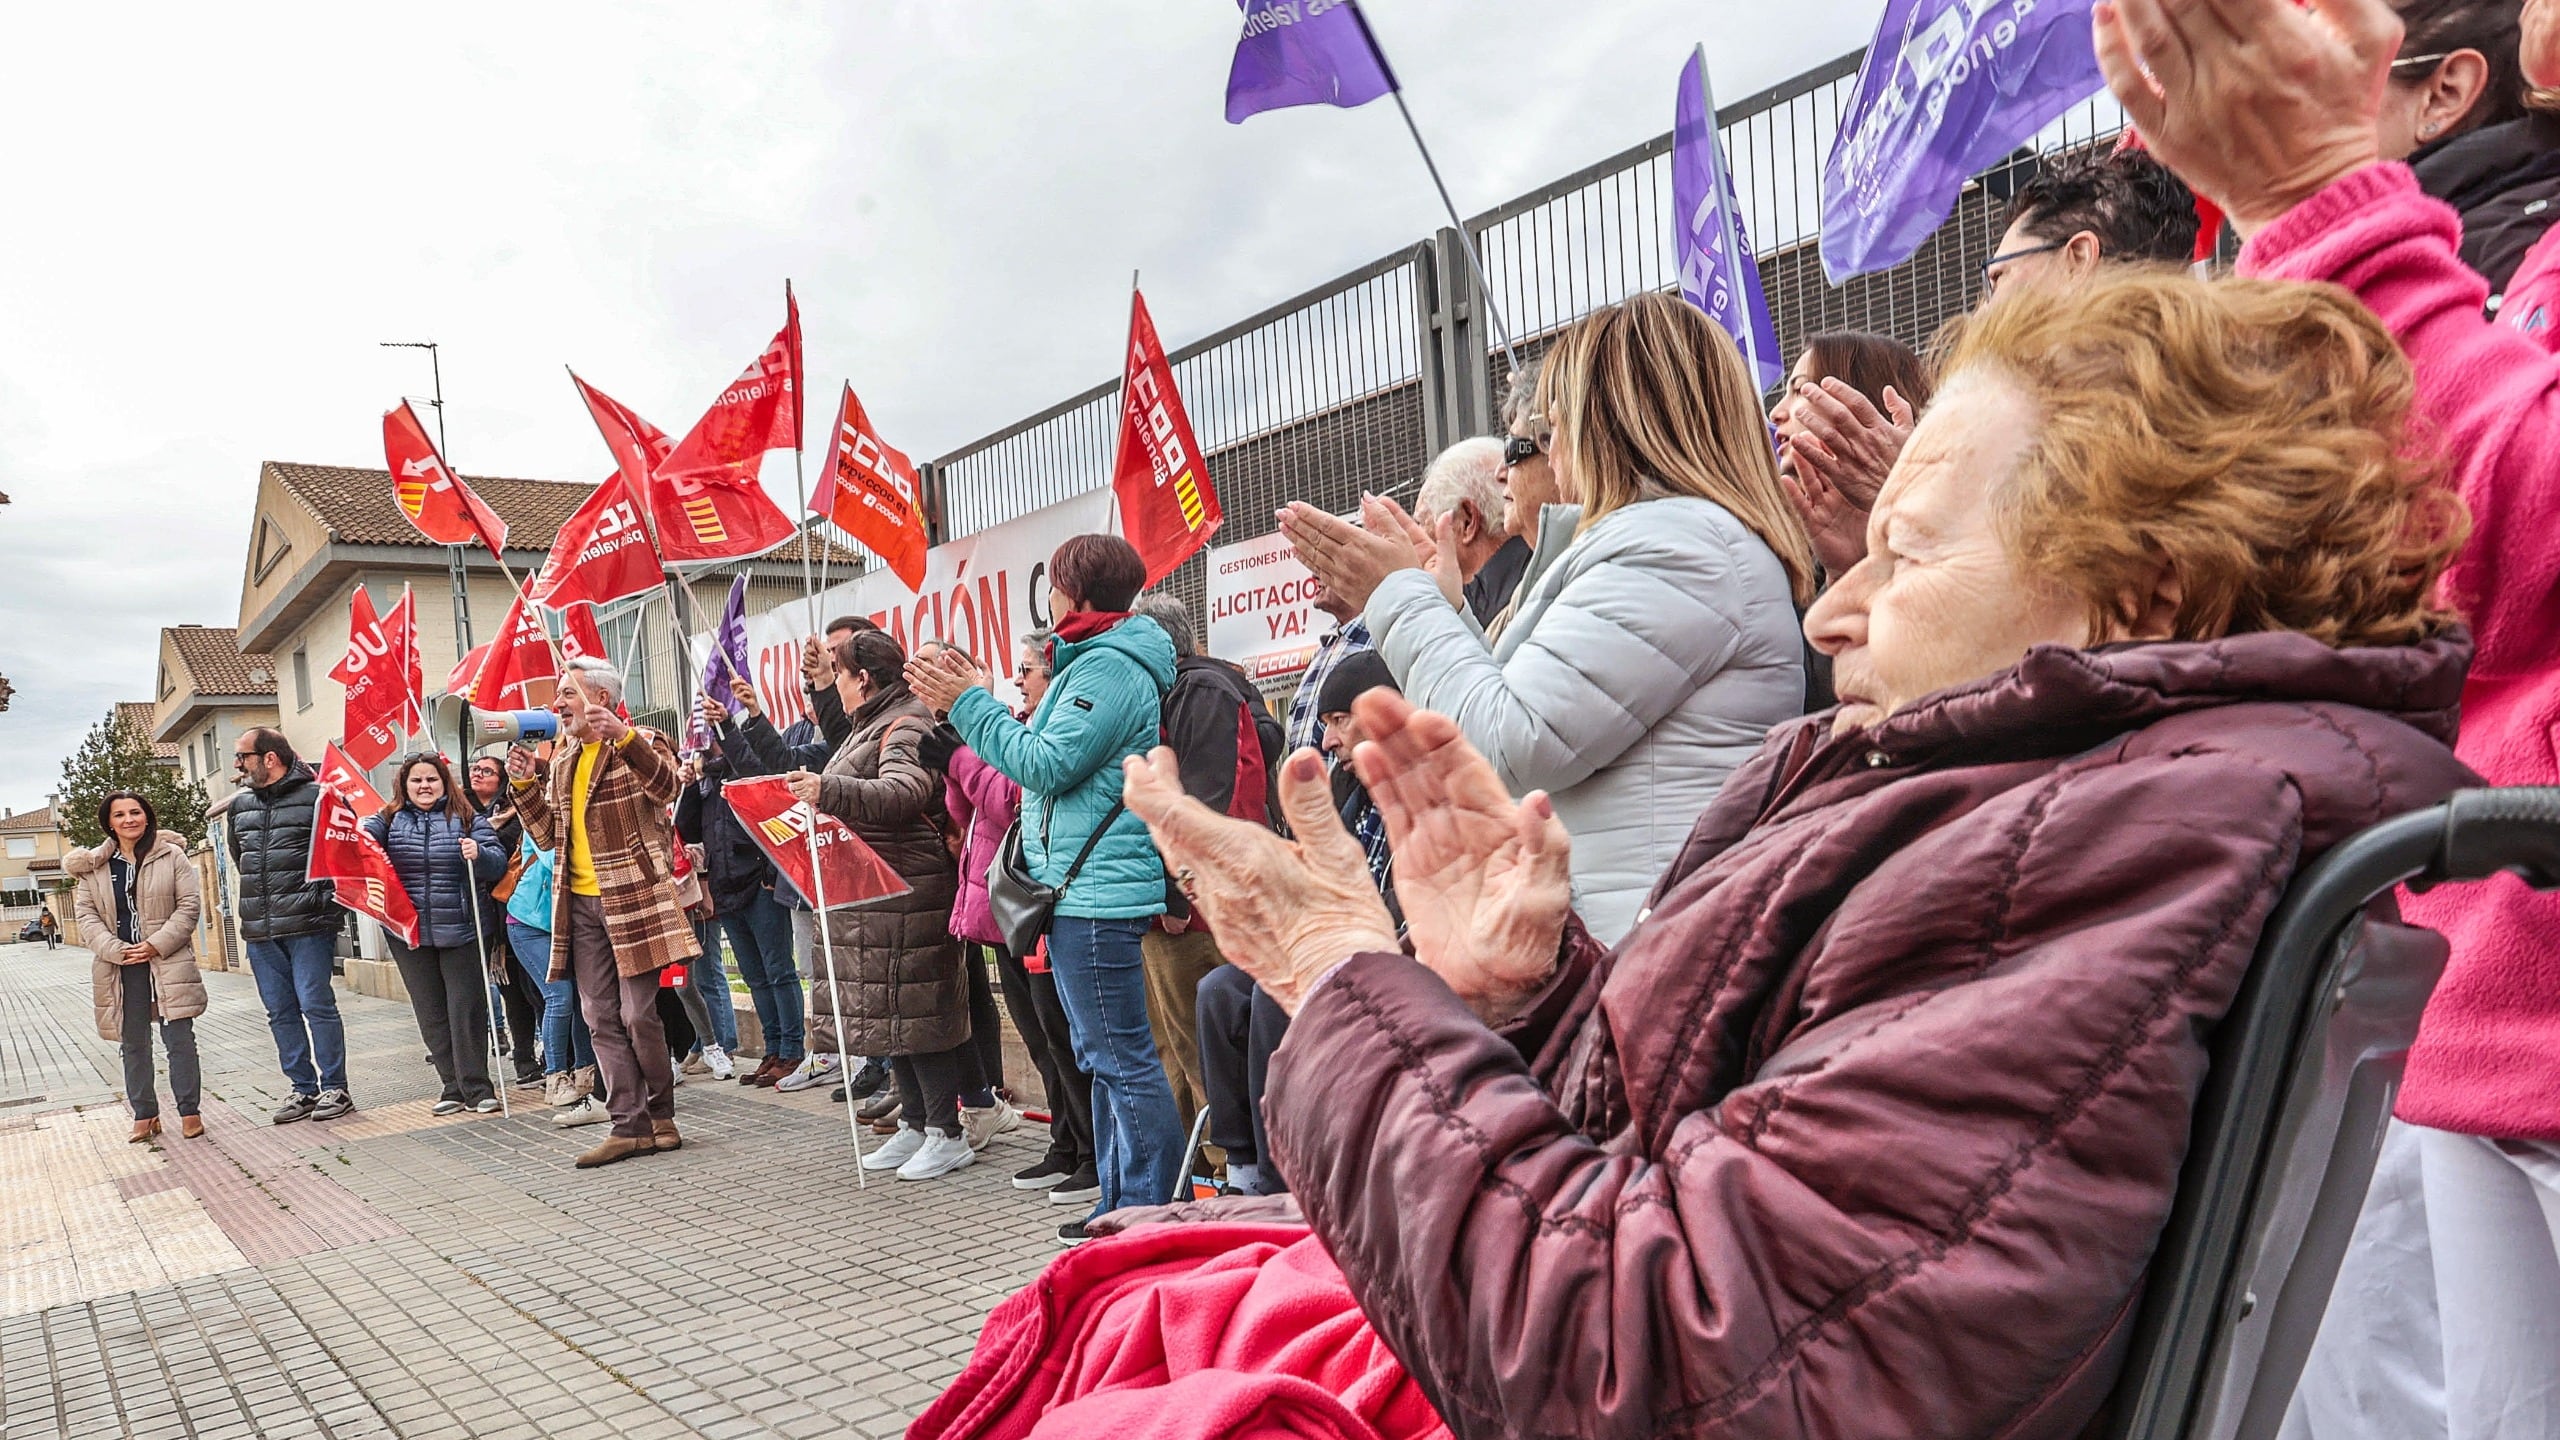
(1228, 743)
(289, 922)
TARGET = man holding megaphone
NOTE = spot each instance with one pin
(603, 803)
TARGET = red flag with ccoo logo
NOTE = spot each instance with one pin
(872, 494)
(1168, 508)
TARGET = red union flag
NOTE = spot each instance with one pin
(400, 630)
(780, 825)
(760, 411)
(516, 659)
(344, 853)
(579, 637)
(434, 498)
(694, 520)
(374, 713)
(873, 495)
(1167, 506)
(341, 773)
(602, 555)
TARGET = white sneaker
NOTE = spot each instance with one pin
(815, 1070)
(718, 1061)
(587, 1111)
(900, 1148)
(939, 1155)
(980, 1124)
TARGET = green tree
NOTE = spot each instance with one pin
(117, 756)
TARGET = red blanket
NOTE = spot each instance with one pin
(1183, 1332)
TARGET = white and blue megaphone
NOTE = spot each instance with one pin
(472, 730)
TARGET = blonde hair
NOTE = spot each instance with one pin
(1651, 394)
(2255, 435)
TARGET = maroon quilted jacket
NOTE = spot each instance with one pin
(1870, 1127)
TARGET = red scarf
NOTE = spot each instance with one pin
(1085, 624)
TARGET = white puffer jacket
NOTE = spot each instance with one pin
(1639, 668)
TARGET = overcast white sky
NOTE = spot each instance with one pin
(215, 212)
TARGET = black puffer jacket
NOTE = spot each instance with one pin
(2505, 181)
(271, 843)
(426, 853)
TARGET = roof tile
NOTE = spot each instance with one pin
(215, 664)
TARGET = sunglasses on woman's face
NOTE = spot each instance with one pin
(1519, 449)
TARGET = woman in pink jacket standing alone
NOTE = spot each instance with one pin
(2446, 1318)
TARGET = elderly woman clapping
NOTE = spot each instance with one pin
(1871, 1125)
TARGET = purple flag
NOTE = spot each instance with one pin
(1719, 271)
(1304, 52)
(728, 658)
(1949, 87)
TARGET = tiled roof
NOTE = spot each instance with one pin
(29, 820)
(215, 665)
(140, 714)
(359, 508)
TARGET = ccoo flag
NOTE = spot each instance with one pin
(434, 498)
(872, 494)
(1949, 87)
(1719, 271)
(1304, 52)
(780, 825)
(602, 554)
(1168, 508)
(760, 411)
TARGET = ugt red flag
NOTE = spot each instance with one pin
(602, 555)
(693, 520)
(342, 852)
(1167, 506)
(873, 495)
(780, 825)
(344, 775)
(515, 660)
(400, 630)
(375, 712)
(760, 411)
(443, 508)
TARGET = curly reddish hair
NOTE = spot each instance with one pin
(2258, 436)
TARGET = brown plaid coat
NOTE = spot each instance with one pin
(628, 828)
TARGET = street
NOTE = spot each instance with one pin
(392, 1273)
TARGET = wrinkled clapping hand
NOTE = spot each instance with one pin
(1484, 880)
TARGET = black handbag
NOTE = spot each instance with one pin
(1022, 905)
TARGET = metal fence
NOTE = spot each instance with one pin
(1355, 384)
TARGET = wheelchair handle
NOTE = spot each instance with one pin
(2516, 830)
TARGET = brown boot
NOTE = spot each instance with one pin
(664, 1132)
(191, 1126)
(617, 1147)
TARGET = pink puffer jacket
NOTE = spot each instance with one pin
(982, 803)
(2487, 1061)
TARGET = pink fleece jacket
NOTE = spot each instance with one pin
(2487, 1061)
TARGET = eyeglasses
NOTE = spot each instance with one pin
(2406, 61)
(1518, 449)
(1992, 267)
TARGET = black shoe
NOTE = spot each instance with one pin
(1073, 1233)
(868, 1080)
(1045, 1175)
(837, 1094)
(879, 1107)
(332, 1104)
(297, 1108)
(1082, 1188)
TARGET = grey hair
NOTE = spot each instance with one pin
(1038, 641)
(597, 674)
(1520, 402)
(1470, 470)
(1175, 617)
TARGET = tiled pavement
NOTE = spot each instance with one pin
(396, 1274)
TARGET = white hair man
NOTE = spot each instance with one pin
(1462, 491)
(603, 804)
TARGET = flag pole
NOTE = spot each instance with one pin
(1466, 242)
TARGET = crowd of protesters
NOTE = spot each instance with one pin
(1721, 932)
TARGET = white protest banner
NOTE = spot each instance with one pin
(982, 592)
(1262, 612)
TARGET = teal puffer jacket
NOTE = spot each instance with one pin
(1105, 703)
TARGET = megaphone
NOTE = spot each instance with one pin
(471, 729)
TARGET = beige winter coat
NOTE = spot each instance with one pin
(167, 902)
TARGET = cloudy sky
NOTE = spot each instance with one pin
(216, 212)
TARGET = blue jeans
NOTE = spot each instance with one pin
(302, 1009)
(709, 981)
(564, 1031)
(1137, 1133)
(760, 934)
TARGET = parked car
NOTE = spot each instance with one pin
(31, 933)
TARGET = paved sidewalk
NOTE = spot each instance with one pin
(396, 1274)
